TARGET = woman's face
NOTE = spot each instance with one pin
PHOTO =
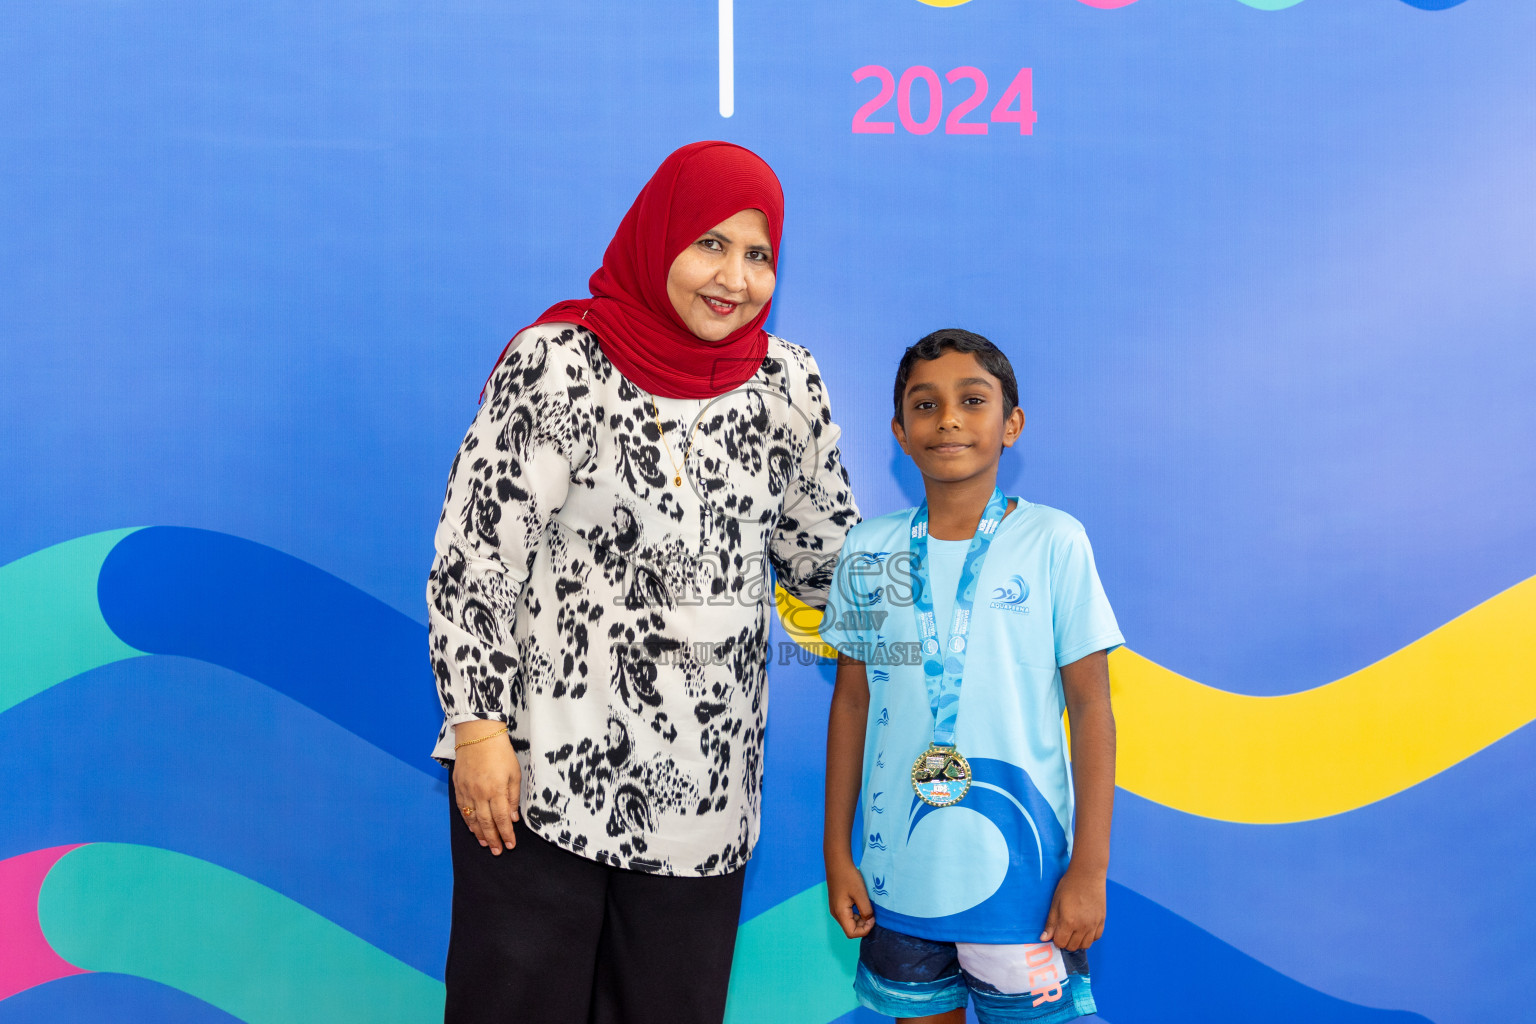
(721, 281)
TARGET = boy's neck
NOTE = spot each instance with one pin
(955, 509)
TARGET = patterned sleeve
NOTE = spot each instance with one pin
(818, 509)
(511, 474)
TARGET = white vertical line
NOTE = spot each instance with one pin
(727, 58)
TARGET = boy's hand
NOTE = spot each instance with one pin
(1076, 919)
(848, 900)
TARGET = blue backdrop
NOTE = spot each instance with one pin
(1267, 272)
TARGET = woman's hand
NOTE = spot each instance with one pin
(487, 782)
(849, 900)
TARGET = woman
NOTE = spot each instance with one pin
(599, 610)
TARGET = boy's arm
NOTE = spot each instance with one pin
(846, 895)
(1076, 919)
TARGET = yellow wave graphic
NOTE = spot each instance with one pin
(1359, 739)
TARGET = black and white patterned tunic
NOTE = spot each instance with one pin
(618, 621)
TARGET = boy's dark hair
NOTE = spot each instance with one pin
(953, 339)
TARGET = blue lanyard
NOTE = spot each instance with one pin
(943, 677)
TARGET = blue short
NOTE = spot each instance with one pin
(1037, 983)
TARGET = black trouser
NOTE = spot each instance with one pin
(544, 936)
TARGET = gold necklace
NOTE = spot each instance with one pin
(677, 478)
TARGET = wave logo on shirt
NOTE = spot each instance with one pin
(876, 841)
(874, 596)
(1011, 596)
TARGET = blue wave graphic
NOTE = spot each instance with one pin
(1438, 861)
(1004, 794)
(194, 758)
(1154, 967)
(118, 998)
(1014, 592)
(279, 620)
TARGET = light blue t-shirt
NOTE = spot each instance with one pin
(948, 559)
(985, 869)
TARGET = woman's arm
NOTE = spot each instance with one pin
(511, 475)
(847, 898)
(1076, 919)
(818, 509)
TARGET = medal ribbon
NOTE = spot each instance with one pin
(944, 669)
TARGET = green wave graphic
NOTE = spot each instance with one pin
(229, 941)
(797, 940)
(51, 627)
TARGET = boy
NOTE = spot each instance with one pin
(964, 627)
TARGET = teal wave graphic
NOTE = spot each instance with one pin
(51, 627)
(267, 615)
(150, 591)
(223, 938)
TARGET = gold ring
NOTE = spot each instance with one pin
(469, 812)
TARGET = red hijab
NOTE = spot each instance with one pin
(694, 189)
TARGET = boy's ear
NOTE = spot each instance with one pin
(1013, 426)
(900, 432)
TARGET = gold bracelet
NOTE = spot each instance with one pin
(482, 739)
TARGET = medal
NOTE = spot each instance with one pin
(941, 776)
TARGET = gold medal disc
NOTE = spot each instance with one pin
(941, 776)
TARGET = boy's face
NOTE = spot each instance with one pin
(952, 422)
